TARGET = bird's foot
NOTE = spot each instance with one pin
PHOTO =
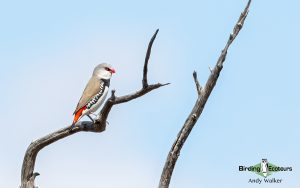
(93, 120)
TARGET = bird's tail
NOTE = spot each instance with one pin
(77, 116)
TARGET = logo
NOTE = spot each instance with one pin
(265, 169)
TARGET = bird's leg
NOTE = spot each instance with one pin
(96, 115)
(91, 118)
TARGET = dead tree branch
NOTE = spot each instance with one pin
(145, 71)
(203, 95)
(28, 175)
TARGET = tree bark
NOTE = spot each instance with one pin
(203, 95)
(28, 175)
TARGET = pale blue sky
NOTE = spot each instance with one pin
(49, 49)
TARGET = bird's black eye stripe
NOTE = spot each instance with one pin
(106, 68)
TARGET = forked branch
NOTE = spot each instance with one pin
(203, 95)
(28, 175)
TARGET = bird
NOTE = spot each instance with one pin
(94, 93)
(264, 167)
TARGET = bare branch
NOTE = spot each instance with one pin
(199, 106)
(210, 69)
(145, 71)
(28, 175)
(118, 100)
(198, 87)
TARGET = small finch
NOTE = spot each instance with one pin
(95, 92)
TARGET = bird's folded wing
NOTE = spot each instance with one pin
(91, 89)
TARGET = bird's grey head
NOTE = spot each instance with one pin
(103, 71)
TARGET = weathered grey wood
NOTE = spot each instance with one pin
(203, 95)
(145, 81)
(28, 175)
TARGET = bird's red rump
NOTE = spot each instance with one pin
(78, 114)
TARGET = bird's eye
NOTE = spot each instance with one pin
(106, 68)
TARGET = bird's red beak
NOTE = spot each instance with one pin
(112, 70)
